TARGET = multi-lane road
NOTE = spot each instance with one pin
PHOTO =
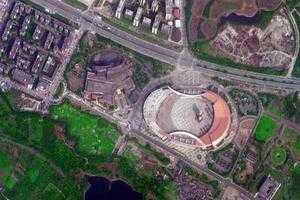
(92, 22)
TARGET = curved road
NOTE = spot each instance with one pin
(92, 22)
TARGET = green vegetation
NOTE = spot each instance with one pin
(246, 102)
(268, 101)
(76, 4)
(140, 78)
(292, 3)
(287, 107)
(276, 110)
(265, 129)
(296, 71)
(203, 50)
(291, 107)
(51, 154)
(296, 147)
(145, 181)
(294, 190)
(231, 154)
(264, 18)
(223, 82)
(188, 11)
(207, 9)
(292, 142)
(278, 156)
(62, 19)
(150, 151)
(31, 175)
(95, 135)
(297, 168)
(36, 6)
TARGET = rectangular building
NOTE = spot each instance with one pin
(138, 16)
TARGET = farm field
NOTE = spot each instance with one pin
(265, 129)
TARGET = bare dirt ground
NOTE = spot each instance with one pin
(272, 47)
(217, 9)
(245, 129)
(231, 193)
(76, 78)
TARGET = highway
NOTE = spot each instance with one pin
(89, 21)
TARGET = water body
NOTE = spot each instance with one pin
(103, 189)
(234, 18)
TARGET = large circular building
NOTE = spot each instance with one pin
(200, 118)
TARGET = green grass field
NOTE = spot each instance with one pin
(265, 129)
(95, 135)
(278, 156)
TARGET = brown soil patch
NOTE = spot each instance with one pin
(249, 171)
(75, 77)
(147, 163)
(59, 132)
(268, 4)
(209, 28)
(219, 8)
(244, 132)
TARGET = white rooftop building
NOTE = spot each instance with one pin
(128, 14)
(146, 22)
(120, 9)
(169, 9)
(156, 24)
(138, 16)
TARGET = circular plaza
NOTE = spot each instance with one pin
(200, 118)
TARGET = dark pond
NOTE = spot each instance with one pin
(103, 189)
(234, 18)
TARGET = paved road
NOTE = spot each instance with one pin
(91, 22)
(88, 21)
(225, 181)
